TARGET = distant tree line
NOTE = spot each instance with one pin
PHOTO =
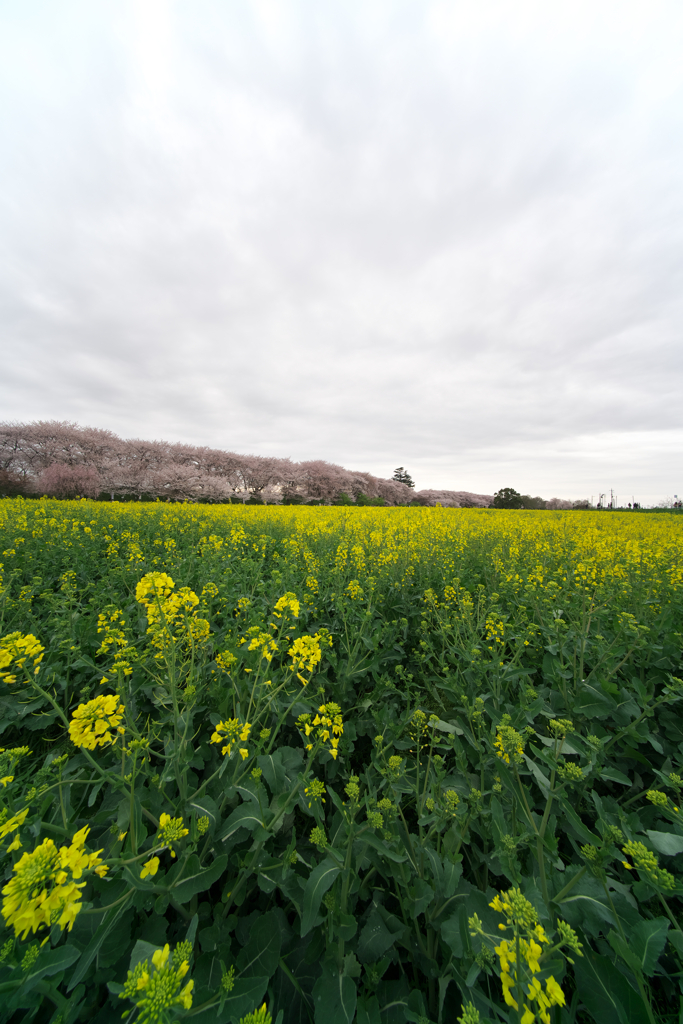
(508, 497)
(65, 460)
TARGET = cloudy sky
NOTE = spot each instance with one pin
(447, 235)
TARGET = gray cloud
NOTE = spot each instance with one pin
(440, 234)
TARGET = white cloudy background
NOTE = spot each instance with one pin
(442, 234)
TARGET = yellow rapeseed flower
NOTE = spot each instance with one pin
(170, 830)
(18, 649)
(92, 723)
(43, 890)
(13, 823)
(150, 867)
(229, 733)
(156, 989)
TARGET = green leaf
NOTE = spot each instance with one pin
(192, 930)
(666, 842)
(261, 955)
(198, 879)
(347, 927)
(51, 961)
(593, 703)
(205, 807)
(108, 921)
(613, 775)
(436, 866)
(581, 830)
(451, 876)
(647, 940)
(453, 932)
(280, 768)
(334, 998)
(141, 951)
(605, 992)
(245, 997)
(420, 895)
(472, 975)
(591, 908)
(378, 844)
(248, 790)
(548, 741)
(448, 727)
(273, 771)
(542, 780)
(375, 938)
(245, 816)
(352, 969)
(319, 881)
(621, 947)
(368, 1010)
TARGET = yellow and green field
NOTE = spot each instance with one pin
(381, 764)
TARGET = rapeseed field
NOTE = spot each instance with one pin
(334, 764)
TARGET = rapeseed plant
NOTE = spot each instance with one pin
(471, 645)
(97, 723)
(23, 651)
(230, 733)
(44, 890)
(158, 987)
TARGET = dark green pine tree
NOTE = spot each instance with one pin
(402, 477)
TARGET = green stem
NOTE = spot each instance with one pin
(669, 914)
(540, 837)
(346, 872)
(101, 910)
(569, 886)
(518, 986)
(61, 799)
(524, 801)
(638, 974)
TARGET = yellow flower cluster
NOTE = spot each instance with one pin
(156, 989)
(95, 723)
(418, 726)
(305, 653)
(260, 1016)
(8, 763)
(495, 630)
(648, 865)
(225, 660)
(230, 733)
(260, 641)
(509, 744)
(289, 602)
(43, 890)
(153, 588)
(170, 831)
(170, 616)
(111, 624)
(9, 825)
(520, 956)
(18, 649)
(326, 727)
(314, 792)
(355, 591)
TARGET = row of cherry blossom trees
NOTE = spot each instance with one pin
(63, 459)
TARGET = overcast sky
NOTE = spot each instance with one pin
(447, 235)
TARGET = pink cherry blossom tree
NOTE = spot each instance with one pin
(63, 481)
